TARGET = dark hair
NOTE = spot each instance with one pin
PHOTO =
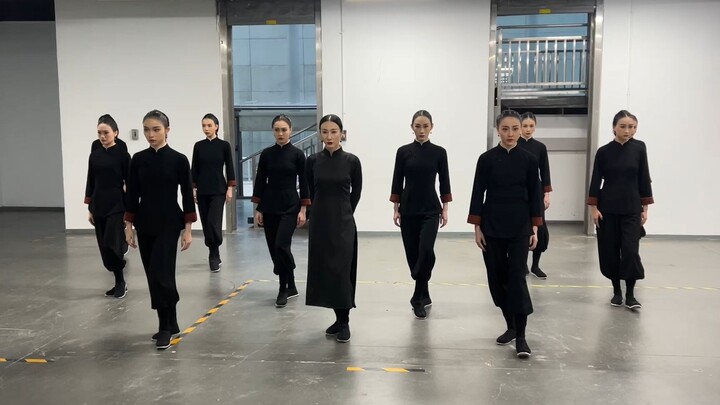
(528, 116)
(623, 114)
(332, 118)
(108, 120)
(158, 115)
(505, 114)
(210, 116)
(421, 113)
(282, 117)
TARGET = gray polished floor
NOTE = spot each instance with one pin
(248, 352)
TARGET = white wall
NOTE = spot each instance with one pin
(660, 60)
(30, 159)
(381, 62)
(127, 58)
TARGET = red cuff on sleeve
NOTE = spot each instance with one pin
(647, 201)
(232, 183)
(446, 197)
(537, 221)
(87, 200)
(547, 189)
(256, 200)
(305, 202)
(190, 217)
(592, 201)
(474, 219)
(395, 198)
(130, 217)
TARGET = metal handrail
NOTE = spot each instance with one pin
(245, 159)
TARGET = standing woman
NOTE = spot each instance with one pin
(506, 211)
(335, 182)
(620, 207)
(210, 189)
(155, 174)
(417, 208)
(97, 144)
(279, 209)
(538, 149)
(105, 196)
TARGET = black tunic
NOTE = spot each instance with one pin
(539, 150)
(98, 145)
(417, 165)
(152, 191)
(622, 170)
(335, 184)
(107, 174)
(208, 159)
(280, 172)
(505, 197)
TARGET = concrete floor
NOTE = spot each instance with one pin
(584, 351)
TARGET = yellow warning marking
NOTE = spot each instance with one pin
(395, 370)
(271, 22)
(36, 361)
(689, 288)
(355, 369)
(207, 315)
(3, 360)
(671, 288)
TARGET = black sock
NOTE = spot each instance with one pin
(291, 281)
(342, 316)
(119, 277)
(536, 259)
(509, 319)
(630, 285)
(616, 287)
(283, 281)
(162, 319)
(520, 324)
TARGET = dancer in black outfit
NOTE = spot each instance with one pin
(155, 175)
(538, 149)
(335, 182)
(620, 207)
(281, 171)
(105, 196)
(210, 189)
(506, 211)
(97, 144)
(417, 209)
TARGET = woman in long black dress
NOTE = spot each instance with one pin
(538, 149)
(152, 207)
(417, 209)
(506, 211)
(620, 207)
(211, 190)
(279, 208)
(105, 196)
(335, 182)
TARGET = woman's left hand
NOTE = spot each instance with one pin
(301, 219)
(186, 240)
(546, 200)
(443, 218)
(643, 217)
(229, 194)
(533, 241)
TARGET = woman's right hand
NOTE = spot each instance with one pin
(91, 219)
(130, 236)
(480, 238)
(259, 218)
(195, 195)
(596, 216)
(396, 218)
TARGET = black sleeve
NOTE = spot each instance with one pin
(398, 177)
(545, 170)
(355, 183)
(444, 177)
(194, 169)
(595, 179)
(478, 193)
(260, 179)
(132, 196)
(229, 166)
(644, 181)
(89, 183)
(310, 177)
(536, 203)
(185, 180)
(302, 179)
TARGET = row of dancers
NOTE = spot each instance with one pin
(510, 194)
